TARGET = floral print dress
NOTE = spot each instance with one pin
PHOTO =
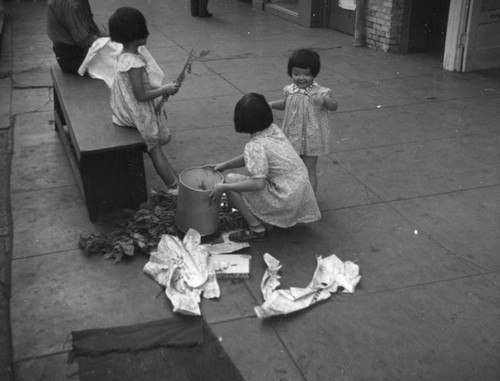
(306, 124)
(288, 197)
(128, 111)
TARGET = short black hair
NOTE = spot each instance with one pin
(305, 59)
(126, 25)
(252, 113)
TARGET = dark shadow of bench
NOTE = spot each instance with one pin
(106, 159)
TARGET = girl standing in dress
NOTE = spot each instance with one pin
(276, 190)
(137, 87)
(307, 108)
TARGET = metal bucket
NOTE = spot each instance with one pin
(193, 208)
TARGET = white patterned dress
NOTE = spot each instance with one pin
(288, 197)
(130, 112)
(306, 124)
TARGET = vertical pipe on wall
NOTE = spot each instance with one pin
(359, 23)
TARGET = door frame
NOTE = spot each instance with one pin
(456, 34)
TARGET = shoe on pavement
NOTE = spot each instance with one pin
(248, 235)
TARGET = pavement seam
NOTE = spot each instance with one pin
(42, 356)
(425, 102)
(41, 255)
(34, 190)
(386, 202)
(409, 142)
(280, 340)
(423, 284)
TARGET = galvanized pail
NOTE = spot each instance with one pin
(193, 208)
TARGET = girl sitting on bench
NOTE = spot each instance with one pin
(137, 88)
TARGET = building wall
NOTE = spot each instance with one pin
(386, 24)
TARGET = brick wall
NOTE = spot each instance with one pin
(384, 24)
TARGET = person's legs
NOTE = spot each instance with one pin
(256, 230)
(195, 8)
(204, 9)
(163, 167)
(311, 163)
(236, 201)
(69, 58)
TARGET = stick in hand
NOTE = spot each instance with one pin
(182, 75)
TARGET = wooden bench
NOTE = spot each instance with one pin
(106, 159)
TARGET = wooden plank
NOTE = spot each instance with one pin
(60, 124)
(457, 23)
(86, 108)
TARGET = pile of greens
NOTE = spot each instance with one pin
(141, 233)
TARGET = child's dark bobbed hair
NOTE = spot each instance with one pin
(304, 59)
(126, 25)
(252, 113)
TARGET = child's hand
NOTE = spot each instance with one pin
(214, 195)
(324, 99)
(171, 88)
(318, 100)
(216, 167)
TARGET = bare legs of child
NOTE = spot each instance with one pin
(256, 230)
(164, 169)
(311, 163)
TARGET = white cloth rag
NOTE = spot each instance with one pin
(331, 273)
(100, 62)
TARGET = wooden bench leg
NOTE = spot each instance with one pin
(59, 121)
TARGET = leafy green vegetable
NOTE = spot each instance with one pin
(141, 233)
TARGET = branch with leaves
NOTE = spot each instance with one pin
(182, 75)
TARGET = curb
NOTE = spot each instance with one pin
(6, 140)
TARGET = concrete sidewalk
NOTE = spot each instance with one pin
(411, 193)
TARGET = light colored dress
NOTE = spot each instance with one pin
(288, 197)
(306, 124)
(130, 112)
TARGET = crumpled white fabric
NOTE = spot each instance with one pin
(184, 270)
(100, 62)
(330, 274)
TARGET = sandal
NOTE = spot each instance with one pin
(173, 189)
(248, 235)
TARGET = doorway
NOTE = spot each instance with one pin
(473, 36)
(427, 26)
(340, 18)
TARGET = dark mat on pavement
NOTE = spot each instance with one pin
(178, 349)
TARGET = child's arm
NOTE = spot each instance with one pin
(142, 94)
(252, 184)
(278, 105)
(248, 185)
(235, 162)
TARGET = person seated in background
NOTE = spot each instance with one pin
(72, 30)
